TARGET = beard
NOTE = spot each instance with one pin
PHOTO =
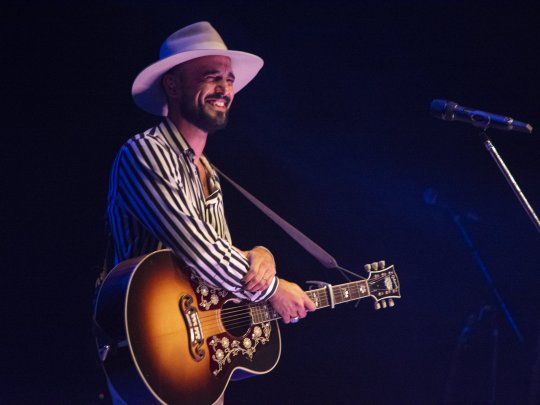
(204, 117)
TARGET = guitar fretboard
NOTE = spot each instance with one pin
(322, 297)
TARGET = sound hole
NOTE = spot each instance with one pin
(236, 318)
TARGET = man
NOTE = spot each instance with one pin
(164, 192)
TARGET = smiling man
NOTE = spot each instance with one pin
(163, 191)
(206, 94)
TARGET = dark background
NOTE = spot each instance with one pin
(335, 135)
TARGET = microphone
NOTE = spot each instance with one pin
(450, 111)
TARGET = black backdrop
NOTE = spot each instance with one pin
(335, 135)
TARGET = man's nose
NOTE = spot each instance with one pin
(224, 86)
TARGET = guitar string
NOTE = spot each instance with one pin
(230, 321)
(228, 312)
(242, 311)
(211, 328)
(254, 304)
(230, 317)
(239, 320)
(337, 290)
(240, 308)
(310, 292)
(321, 293)
(233, 320)
(214, 328)
(237, 323)
(255, 309)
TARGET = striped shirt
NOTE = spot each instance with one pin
(156, 200)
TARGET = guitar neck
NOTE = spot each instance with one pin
(324, 297)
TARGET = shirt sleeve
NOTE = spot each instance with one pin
(149, 177)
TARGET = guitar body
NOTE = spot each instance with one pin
(166, 337)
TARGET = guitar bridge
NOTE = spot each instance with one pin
(193, 323)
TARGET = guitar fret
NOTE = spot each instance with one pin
(342, 293)
(319, 297)
(350, 291)
(264, 313)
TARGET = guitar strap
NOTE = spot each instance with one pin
(311, 247)
(322, 256)
(325, 258)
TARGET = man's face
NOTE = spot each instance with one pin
(205, 91)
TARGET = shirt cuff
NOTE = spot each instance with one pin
(271, 290)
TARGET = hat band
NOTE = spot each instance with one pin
(165, 53)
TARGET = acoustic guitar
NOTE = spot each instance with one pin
(164, 336)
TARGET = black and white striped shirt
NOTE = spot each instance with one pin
(156, 200)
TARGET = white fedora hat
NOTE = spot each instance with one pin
(193, 41)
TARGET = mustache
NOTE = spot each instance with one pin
(219, 96)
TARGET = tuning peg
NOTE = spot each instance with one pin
(377, 306)
(375, 266)
(391, 302)
(383, 303)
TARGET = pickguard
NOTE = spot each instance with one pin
(224, 347)
(207, 296)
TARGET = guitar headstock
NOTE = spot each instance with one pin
(383, 286)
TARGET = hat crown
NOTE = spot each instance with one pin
(191, 42)
(194, 37)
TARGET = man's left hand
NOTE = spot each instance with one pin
(262, 269)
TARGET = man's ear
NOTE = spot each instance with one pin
(169, 85)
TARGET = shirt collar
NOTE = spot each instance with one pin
(175, 138)
(180, 145)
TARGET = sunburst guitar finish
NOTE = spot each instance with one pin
(165, 337)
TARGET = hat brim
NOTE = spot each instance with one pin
(148, 93)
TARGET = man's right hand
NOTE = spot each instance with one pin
(290, 301)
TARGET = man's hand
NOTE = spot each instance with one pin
(290, 301)
(262, 269)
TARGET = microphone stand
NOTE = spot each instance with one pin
(458, 221)
(472, 322)
(510, 179)
(487, 275)
(494, 329)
